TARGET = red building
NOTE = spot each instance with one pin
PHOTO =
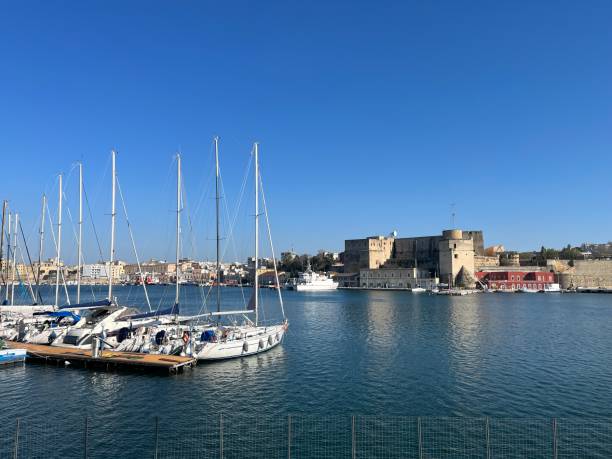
(514, 280)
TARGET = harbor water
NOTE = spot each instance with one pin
(377, 353)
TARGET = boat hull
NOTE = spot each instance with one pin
(12, 355)
(316, 288)
(262, 340)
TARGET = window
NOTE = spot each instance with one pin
(454, 246)
(456, 256)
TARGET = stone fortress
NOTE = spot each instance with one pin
(457, 258)
(392, 262)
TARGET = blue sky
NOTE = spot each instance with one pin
(372, 116)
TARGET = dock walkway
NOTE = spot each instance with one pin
(107, 360)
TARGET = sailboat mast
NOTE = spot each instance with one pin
(4, 203)
(113, 214)
(178, 224)
(14, 267)
(217, 219)
(80, 247)
(41, 236)
(59, 241)
(8, 256)
(256, 282)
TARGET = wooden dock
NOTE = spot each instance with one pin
(107, 360)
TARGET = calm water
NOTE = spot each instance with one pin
(391, 353)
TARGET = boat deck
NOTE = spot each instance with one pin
(107, 360)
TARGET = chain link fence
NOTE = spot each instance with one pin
(297, 436)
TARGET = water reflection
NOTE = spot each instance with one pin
(365, 352)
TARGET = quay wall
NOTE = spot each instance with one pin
(585, 273)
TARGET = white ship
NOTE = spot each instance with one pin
(310, 281)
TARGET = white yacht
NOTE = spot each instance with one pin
(310, 281)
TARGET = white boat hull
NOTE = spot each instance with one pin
(259, 340)
(316, 288)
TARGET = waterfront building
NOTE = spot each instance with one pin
(514, 280)
(346, 280)
(396, 278)
(102, 270)
(94, 271)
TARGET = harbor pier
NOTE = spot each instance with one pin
(106, 359)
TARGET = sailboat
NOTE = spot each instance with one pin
(417, 288)
(165, 332)
(219, 342)
(103, 318)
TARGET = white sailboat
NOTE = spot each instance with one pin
(163, 332)
(417, 288)
(105, 318)
(219, 342)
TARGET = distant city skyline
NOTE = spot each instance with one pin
(371, 118)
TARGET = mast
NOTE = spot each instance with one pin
(59, 243)
(8, 256)
(14, 265)
(4, 203)
(80, 248)
(256, 282)
(113, 214)
(217, 214)
(178, 224)
(41, 234)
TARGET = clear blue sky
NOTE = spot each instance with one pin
(372, 116)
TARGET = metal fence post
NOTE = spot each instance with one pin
(353, 441)
(16, 450)
(156, 437)
(86, 437)
(221, 435)
(488, 436)
(420, 438)
(554, 432)
(289, 437)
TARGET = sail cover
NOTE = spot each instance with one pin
(59, 314)
(87, 305)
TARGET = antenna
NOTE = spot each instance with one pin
(452, 215)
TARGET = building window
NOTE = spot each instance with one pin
(456, 256)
